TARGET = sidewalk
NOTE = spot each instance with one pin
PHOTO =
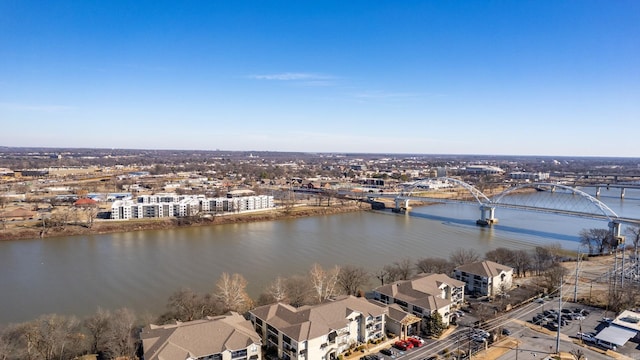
(371, 349)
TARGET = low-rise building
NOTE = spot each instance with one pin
(486, 278)
(533, 176)
(319, 332)
(424, 295)
(173, 205)
(228, 337)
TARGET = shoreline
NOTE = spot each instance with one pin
(32, 231)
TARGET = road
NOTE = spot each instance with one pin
(532, 342)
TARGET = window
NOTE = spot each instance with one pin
(239, 354)
(272, 329)
(332, 337)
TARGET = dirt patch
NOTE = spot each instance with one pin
(593, 282)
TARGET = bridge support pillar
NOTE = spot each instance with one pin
(622, 193)
(402, 205)
(618, 239)
(487, 216)
(597, 191)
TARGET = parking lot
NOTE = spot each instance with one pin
(592, 321)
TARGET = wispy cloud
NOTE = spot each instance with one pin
(36, 107)
(309, 77)
(384, 95)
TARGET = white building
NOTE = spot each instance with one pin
(173, 205)
(485, 278)
(533, 176)
(483, 169)
(229, 337)
(319, 332)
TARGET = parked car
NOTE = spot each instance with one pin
(401, 345)
(415, 342)
(606, 345)
(586, 337)
(576, 316)
(506, 331)
(539, 300)
(418, 338)
(387, 352)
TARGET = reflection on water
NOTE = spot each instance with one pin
(75, 275)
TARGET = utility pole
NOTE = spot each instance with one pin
(575, 290)
(559, 316)
(622, 272)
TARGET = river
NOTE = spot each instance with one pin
(75, 275)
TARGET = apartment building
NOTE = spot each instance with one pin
(228, 337)
(319, 332)
(486, 278)
(424, 295)
(173, 205)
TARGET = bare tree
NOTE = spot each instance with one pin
(6, 345)
(48, 337)
(382, 275)
(623, 297)
(463, 256)
(298, 290)
(578, 354)
(634, 233)
(400, 270)
(352, 278)
(98, 327)
(434, 265)
(323, 282)
(543, 259)
(552, 277)
(122, 339)
(187, 305)
(22, 339)
(278, 289)
(231, 293)
(597, 240)
(501, 256)
(521, 262)
(90, 213)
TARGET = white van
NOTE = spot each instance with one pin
(607, 345)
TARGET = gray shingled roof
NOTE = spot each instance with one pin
(484, 268)
(423, 290)
(198, 338)
(309, 322)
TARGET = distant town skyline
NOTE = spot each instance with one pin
(418, 77)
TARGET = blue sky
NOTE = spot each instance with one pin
(435, 77)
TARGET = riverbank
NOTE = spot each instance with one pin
(33, 229)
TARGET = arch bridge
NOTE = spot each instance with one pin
(553, 198)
